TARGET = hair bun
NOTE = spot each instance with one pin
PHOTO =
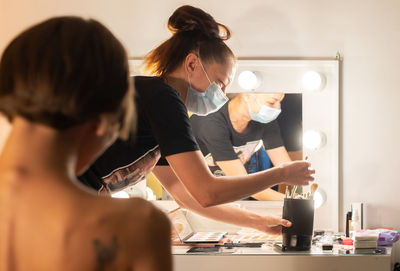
(187, 18)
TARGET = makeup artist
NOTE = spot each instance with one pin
(233, 138)
(191, 71)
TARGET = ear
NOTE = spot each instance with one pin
(100, 125)
(191, 62)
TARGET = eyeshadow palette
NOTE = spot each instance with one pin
(256, 238)
(185, 232)
(205, 237)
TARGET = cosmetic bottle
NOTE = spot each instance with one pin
(355, 222)
(348, 223)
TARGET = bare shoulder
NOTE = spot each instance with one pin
(148, 226)
(138, 216)
(149, 236)
(151, 217)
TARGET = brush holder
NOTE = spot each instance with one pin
(300, 212)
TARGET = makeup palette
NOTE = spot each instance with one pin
(205, 237)
(186, 233)
(256, 238)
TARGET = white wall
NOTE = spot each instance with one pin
(365, 32)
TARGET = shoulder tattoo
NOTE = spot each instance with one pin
(105, 254)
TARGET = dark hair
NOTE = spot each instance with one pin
(63, 72)
(194, 31)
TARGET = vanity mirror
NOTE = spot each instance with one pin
(316, 84)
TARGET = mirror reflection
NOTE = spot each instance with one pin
(250, 133)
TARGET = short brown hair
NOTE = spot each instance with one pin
(63, 72)
(193, 31)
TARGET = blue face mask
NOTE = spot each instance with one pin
(265, 115)
(204, 103)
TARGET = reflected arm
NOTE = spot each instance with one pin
(278, 156)
(191, 169)
(236, 168)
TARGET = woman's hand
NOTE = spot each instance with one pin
(297, 173)
(273, 224)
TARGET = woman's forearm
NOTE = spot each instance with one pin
(231, 214)
(236, 168)
(240, 187)
(227, 213)
(208, 190)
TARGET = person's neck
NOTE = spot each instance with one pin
(177, 80)
(37, 150)
(239, 115)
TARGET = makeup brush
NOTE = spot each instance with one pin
(313, 188)
(287, 192)
(293, 191)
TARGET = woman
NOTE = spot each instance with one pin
(64, 84)
(192, 70)
(239, 131)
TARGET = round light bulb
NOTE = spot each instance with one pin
(120, 195)
(150, 194)
(312, 81)
(248, 80)
(313, 139)
(318, 199)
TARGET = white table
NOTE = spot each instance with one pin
(269, 258)
(254, 259)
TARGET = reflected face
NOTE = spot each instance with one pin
(221, 74)
(272, 100)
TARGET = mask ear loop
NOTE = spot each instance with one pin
(258, 102)
(190, 84)
(249, 107)
(201, 64)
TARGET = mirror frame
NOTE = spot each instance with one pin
(320, 112)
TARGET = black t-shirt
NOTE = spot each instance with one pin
(219, 141)
(291, 121)
(163, 129)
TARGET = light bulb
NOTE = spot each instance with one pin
(120, 195)
(312, 81)
(248, 80)
(313, 139)
(150, 194)
(318, 199)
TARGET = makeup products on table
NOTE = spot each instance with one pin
(256, 237)
(185, 232)
(357, 219)
(205, 237)
(348, 224)
(365, 239)
(203, 250)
